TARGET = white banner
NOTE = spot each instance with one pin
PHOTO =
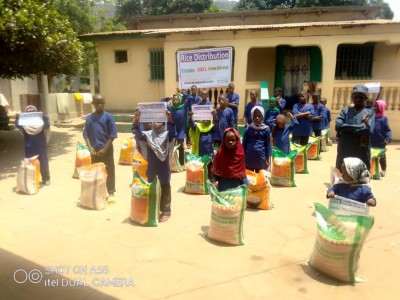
(153, 112)
(205, 68)
(373, 87)
(344, 206)
(30, 119)
(202, 112)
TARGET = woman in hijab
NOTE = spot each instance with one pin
(157, 146)
(354, 184)
(256, 142)
(229, 167)
(35, 134)
(382, 134)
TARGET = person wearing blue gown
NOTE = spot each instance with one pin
(271, 113)
(233, 102)
(354, 128)
(257, 142)
(225, 119)
(281, 104)
(281, 132)
(249, 106)
(303, 112)
(191, 99)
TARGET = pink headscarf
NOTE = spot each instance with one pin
(380, 108)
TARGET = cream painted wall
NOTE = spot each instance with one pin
(387, 62)
(126, 84)
(261, 65)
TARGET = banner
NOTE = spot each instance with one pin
(202, 112)
(153, 112)
(205, 68)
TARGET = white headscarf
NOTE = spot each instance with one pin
(158, 141)
(357, 169)
(262, 125)
(33, 129)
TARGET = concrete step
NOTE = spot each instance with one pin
(124, 126)
(126, 118)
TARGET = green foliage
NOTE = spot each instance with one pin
(36, 39)
(263, 4)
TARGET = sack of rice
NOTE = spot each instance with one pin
(28, 175)
(313, 150)
(339, 243)
(174, 163)
(376, 154)
(145, 201)
(282, 173)
(126, 153)
(82, 158)
(300, 161)
(324, 140)
(139, 164)
(93, 186)
(196, 173)
(227, 214)
(258, 195)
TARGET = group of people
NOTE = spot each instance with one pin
(357, 126)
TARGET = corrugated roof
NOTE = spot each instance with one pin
(166, 31)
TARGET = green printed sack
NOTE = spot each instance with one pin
(196, 173)
(82, 158)
(145, 201)
(300, 161)
(282, 173)
(339, 242)
(376, 154)
(174, 164)
(313, 150)
(227, 214)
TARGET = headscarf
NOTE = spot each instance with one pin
(33, 129)
(180, 104)
(195, 135)
(381, 108)
(158, 141)
(275, 108)
(357, 169)
(262, 126)
(230, 163)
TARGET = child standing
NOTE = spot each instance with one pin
(354, 184)
(271, 113)
(326, 115)
(316, 120)
(99, 133)
(204, 98)
(256, 142)
(202, 136)
(229, 163)
(303, 112)
(382, 134)
(233, 102)
(191, 99)
(225, 118)
(177, 110)
(281, 102)
(159, 142)
(249, 106)
(35, 142)
(280, 133)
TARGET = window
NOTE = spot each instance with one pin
(156, 64)
(121, 56)
(354, 61)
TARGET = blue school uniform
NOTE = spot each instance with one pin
(247, 111)
(359, 193)
(305, 127)
(257, 147)
(178, 118)
(326, 118)
(206, 139)
(281, 138)
(283, 104)
(270, 116)
(233, 98)
(99, 129)
(208, 102)
(225, 120)
(190, 100)
(382, 133)
(156, 167)
(318, 112)
(229, 183)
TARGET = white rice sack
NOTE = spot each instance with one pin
(28, 176)
(339, 242)
(93, 186)
(227, 214)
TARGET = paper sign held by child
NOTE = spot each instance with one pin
(347, 207)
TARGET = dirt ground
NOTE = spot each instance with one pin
(51, 248)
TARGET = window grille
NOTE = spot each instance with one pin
(156, 64)
(354, 62)
(120, 56)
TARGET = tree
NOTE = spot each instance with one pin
(263, 4)
(36, 39)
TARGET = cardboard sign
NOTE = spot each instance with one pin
(153, 112)
(202, 112)
(373, 87)
(344, 206)
(30, 119)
